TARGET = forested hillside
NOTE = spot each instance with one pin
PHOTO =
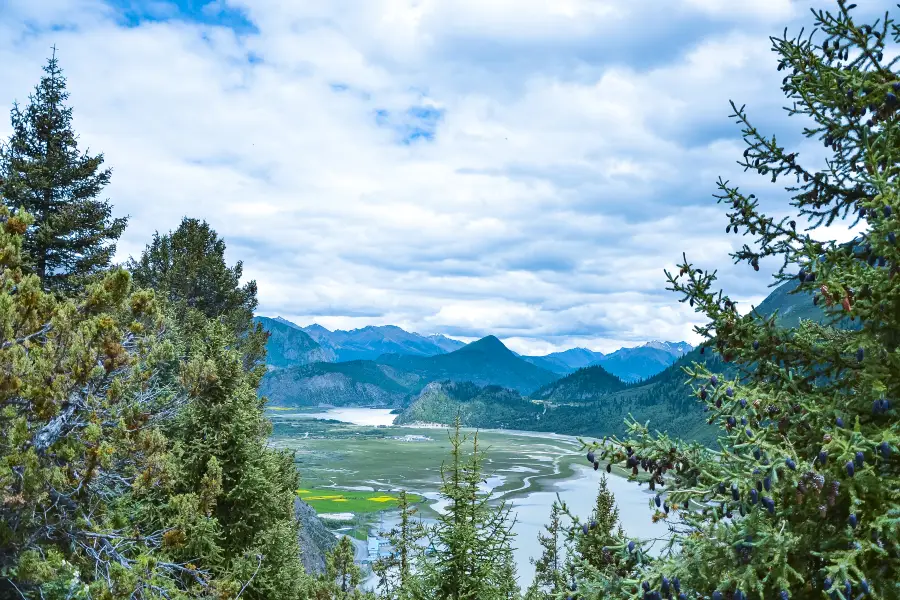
(351, 383)
(484, 362)
(664, 400)
(483, 407)
(589, 402)
(584, 385)
(593, 402)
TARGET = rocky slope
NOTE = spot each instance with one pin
(315, 539)
(289, 345)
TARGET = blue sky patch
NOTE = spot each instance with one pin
(416, 123)
(208, 12)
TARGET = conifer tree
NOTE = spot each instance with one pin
(395, 576)
(232, 501)
(43, 172)
(507, 587)
(81, 400)
(802, 498)
(188, 266)
(471, 542)
(603, 530)
(549, 569)
(341, 569)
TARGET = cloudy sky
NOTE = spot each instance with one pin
(523, 168)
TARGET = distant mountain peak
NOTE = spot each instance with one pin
(682, 347)
(488, 343)
(382, 328)
(285, 322)
(578, 351)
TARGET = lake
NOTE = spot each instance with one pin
(372, 417)
(526, 469)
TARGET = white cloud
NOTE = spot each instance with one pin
(571, 164)
(773, 11)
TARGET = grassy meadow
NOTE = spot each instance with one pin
(343, 467)
(331, 501)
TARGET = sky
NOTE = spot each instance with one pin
(521, 168)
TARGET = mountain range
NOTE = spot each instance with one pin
(394, 379)
(386, 366)
(292, 345)
(566, 361)
(368, 343)
(588, 402)
(593, 402)
(628, 364)
(428, 378)
(641, 362)
(486, 382)
(483, 362)
(289, 345)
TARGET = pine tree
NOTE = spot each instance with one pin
(471, 541)
(231, 506)
(395, 577)
(589, 547)
(188, 266)
(81, 400)
(603, 530)
(549, 573)
(232, 499)
(341, 568)
(802, 498)
(72, 236)
(505, 577)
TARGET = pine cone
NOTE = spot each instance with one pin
(818, 481)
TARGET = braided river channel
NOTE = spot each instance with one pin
(347, 454)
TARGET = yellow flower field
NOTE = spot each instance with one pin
(330, 500)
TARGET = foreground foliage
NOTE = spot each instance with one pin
(127, 470)
(72, 236)
(82, 397)
(133, 446)
(802, 500)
